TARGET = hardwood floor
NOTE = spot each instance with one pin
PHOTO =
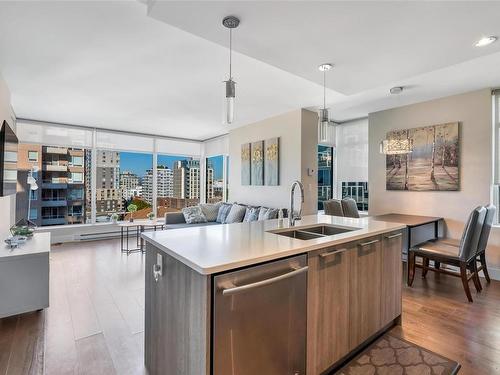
(95, 321)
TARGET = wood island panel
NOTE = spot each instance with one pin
(177, 308)
(328, 307)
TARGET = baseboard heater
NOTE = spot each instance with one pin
(98, 236)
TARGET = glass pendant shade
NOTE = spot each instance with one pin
(324, 126)
(230, 94)
(396, 146)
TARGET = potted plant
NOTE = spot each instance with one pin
(151, 216)
(132, 208)
(114, 217)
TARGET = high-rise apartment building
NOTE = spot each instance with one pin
(187, 179)
(60, 197)
(210, 181)
(109, 197)
(128, 184)
(164, 184)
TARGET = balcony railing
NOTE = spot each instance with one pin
(56, 150)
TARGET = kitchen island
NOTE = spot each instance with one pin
(263, 297)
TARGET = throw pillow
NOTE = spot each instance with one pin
(251, 214)
(223, 212)
(194, 215)
(210, 211)
(268, 213)
(236, 214)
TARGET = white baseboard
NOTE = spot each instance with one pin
(494, 273)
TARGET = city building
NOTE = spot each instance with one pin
(187, 179)
(109, 196)
(60, 176)
(29, 159)
(128, 184)
(164, 183)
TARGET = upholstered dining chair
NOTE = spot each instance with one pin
(333, 207)
(483, 242)
(462, 256)
(350, 208)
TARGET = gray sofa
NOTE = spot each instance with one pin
(174, 220)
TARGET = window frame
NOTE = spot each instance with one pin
(93, 149)
(32, 160)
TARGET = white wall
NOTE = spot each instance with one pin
(352, 152)
(298, 141)
(7, 204)
(474, 112)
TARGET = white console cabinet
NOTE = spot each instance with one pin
(24, 276)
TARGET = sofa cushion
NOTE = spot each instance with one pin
(194, 215)
(223, 212)
(174, 218)
(268, 213)
(236, 214)
(251, 214)
(210, 211)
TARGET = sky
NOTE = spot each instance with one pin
(139, 163)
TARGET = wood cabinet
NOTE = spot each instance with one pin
(354, 291)
(328, 306)
(391, 277)
(364, 290)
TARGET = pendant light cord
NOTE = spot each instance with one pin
(230, 53)
(324, 89)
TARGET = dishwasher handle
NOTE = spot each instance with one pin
(243, 288)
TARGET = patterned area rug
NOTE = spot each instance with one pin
(394, 356)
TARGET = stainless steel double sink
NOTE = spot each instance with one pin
(312, 232)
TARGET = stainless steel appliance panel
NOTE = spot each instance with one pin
(260, 319)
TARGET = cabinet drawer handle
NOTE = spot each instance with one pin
(394, 235)
(363, 244)
(326, 255)
(243, 288)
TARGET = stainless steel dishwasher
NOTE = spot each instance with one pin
(260, 319)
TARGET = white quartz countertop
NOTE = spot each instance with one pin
(37, 245)
(219, 248)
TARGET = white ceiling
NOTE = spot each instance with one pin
(108, 64)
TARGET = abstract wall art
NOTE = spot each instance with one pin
(257, 171)
(433, 164)
(245, 164)
(271, 164)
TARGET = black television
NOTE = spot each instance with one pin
(8, 161)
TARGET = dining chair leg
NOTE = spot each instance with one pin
(465, 282)
(425, 267)
(475, 276)
(437, 265)
(411, 268)
(482, 258)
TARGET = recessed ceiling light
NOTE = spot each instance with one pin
(487, 40)
(396, 90)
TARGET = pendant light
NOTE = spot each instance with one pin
(231, 23)
(324, 127)
(396, 145)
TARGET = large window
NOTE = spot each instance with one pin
(60, 197)
(88, 175)
(121, 181)
(178, 183)
(325, 174)
(214, 186)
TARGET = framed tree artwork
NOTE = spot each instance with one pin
(433, 163)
